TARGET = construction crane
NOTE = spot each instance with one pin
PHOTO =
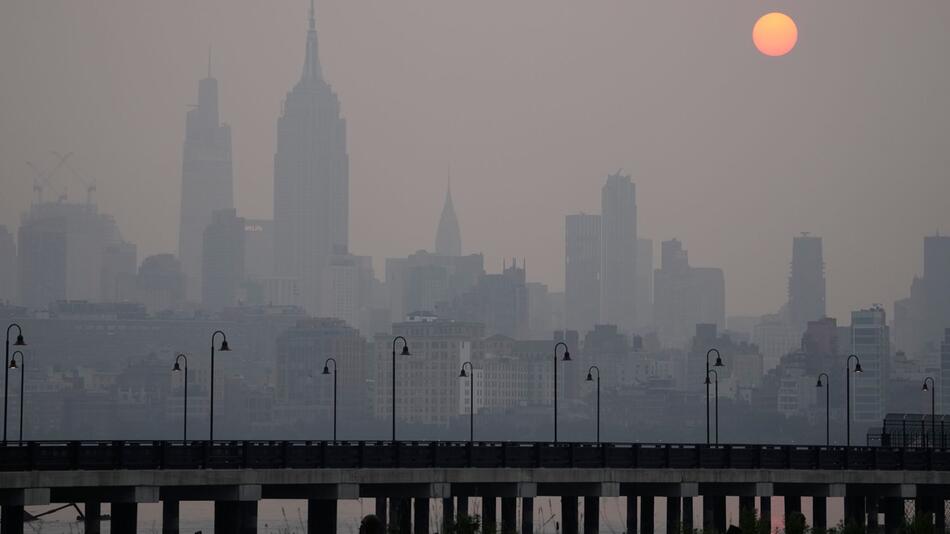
(88, 183)
(41, 179)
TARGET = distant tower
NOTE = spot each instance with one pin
(582, 271)
(311, 179)
(448, 237)
(206, 179)
(619, 251)
(806, 284)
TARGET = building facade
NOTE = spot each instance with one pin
(618, 266)
(870, 341)
(582, 244)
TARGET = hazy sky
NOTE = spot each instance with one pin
(532, 103)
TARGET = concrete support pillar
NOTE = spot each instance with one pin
(321, 516)
(687, 514)
(448, 513)
(719, 508)
(235, 517)
(421, 513)
(673, 520)
(489, 515)
(854, 512)
(125, 518)
(569, 514)
(893, 515)
(591, 515)
(394, 516)
(746, 507)
(765, 511)
(793, 507)
(632, 526)
(509, 515)
(381, 512)
(940, 519)
(405, 515)
(871, 507)
(527, 515)
(11, 519)
(170, 517)
(709, 513)
(646, 514)
(819, 513)
(91, 516)
(462, 505)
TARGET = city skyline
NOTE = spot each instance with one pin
(408, 182)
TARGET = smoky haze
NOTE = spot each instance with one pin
(531, 104)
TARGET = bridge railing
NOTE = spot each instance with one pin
(100, 455)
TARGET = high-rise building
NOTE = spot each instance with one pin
(870, 341)
(685, 296)
(936, 283)
(448, 236)
(806, 284)
(7, 266)
(206, 179)
(61, 252)
(160, 283)
(258, 248)
(423, 280)
(348, 289)
(945, 371)
(540, 311)
(582, 242)
(644, 284)
(618, 265)
(119, 265)
(222, 257)
(311, 179)
(498, 301)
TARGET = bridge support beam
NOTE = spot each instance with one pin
(321, 516)
(91, 518)
(381, 512)
(569, 514)
(940, 520)
(591, 515)
(462, 504)
(673, 520)
(404, 517)
(420, 515)
(893, 514)
(714, 513)
(765, 511)
(448, 513)
(170, 512)
(687, 514)
(872, 505)
(854, 510)
(125, 518)
(632, 521)
(11, 519)
(235, 517)
(12, 502)
(793, 508)
(509, 514)
(819, 513)
(489, 514)
(646, 514)
(527, 515)
(746, 508)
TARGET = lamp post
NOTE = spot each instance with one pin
(590, 378)
(326, 371)
(224, 348)
(6, 370)
(715, 374)
(717, 364)
(471, 399)
(933, 414)
(857, 369)
(184, 416)
(567, 358)
(22, 381)
(827, 406)
(405, 352)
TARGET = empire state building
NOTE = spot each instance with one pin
(311, 179)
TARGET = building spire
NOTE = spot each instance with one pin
(448, 237)
(313, 17)
(311, 67)
(209, 61)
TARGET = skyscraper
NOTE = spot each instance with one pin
(936, 283)
(582, 244)
(686, 296)
(311, 179)
(448, 237)
(222, 260)
(870, 340)
(945, 371)
(806, 284)
(7, 266)
(618, 252)
(206, 179)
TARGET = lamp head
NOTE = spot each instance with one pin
(463, 374)
(13, 364)
(718, 361)
(224, 346)
(19, 341)
(326, 369)
(405, 350)
(819, 384)
(707, 382)
(857, 368)
(925, 388)
(567, 356)
(176, 368)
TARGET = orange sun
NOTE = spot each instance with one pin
(775, 34)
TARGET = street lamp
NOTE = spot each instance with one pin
(184, 416)
(590, 378)
(827, 406)
(22, 380)
(567, 358)
(405, 352)
(326, 371)
(224, 348)
(715, 374)
(717, 364)
(857, 369)
(6, 370)
(933, 415)
(471, 399)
